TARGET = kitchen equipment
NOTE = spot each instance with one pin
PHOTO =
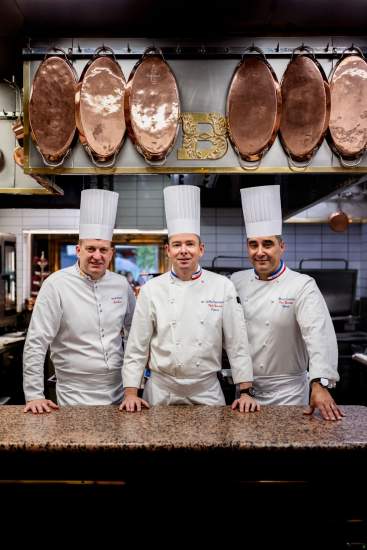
(8, 277)
(152, 107)
(305, 107)
(52, 109)
(347, 134)
(253, 108)
(337, 285)
(339, 221)
(99, 108)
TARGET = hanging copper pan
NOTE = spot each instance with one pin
(305, 107)
(99, 108)
(348, 117)
(52, 109)
(152, 107)
(339, 221)
(253, 108)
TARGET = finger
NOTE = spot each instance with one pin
(309, 410)
(324, 412)
(234, 404)
(138, 406)
(52, 405)
(145, 403)
(39, 409)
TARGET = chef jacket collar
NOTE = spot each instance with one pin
(275, 274)
(194, 276)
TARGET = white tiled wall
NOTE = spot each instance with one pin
(140, 206)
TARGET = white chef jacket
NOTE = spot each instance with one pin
(179, 329)
(84, 322)
(289, 330)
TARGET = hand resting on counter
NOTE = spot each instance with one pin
(39, 406)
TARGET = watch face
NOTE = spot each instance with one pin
(324, 382)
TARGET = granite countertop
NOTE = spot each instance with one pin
(196, 428)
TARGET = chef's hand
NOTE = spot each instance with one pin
(132, 402)
(245, 403)
(38, 406)
(322, 400)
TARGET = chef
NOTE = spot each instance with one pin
(291, 335)
(83, 313)
(181, 322)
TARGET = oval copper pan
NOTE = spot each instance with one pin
(99, 110)
(339, 221)
(152, 107)
(253, 108)
(305, 108)
(348, 116)
(52, 108)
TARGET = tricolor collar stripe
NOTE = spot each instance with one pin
(194, 276)
(275, 274)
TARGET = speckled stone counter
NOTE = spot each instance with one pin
(272, 443)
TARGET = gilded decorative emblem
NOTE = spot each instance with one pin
(191, 136)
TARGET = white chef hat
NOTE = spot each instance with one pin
(262, 210)
(98, 209)
(182, 206)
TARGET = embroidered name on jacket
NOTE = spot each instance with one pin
(214, 305)
(286, 302)
(116, 299)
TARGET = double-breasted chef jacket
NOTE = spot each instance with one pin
(84, 321)
(289, 331)
(179, 329)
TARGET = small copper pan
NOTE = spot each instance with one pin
(347, 134)
(305, 107)
(253, 108)
(52, 109)
(152, 107)
(339, 221)
(99, 108)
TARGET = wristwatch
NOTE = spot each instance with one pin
(324, 382)
(249, 391)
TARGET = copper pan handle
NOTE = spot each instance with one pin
(350, 163)
(101, 164)
(303, 48)
(256, 49)
(104, 48)
(55, 49)
(351, 49)
(155, 162)
(251, 167)
(53, 164)
(152, 49)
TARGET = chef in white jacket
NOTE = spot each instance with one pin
(83, 313)
(182, 320)
(290, 332)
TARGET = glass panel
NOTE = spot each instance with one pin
(9, 277)
(68, 255)
(138, 263)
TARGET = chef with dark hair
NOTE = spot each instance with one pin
(292, 339)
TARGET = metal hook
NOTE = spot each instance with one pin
(327, 47)
(277, 47)
(79, 48)
(128, 48)
(5, 112)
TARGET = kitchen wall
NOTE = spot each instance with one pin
(141, 207)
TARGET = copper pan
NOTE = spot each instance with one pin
(253, 108)
(99, 108)
(347, 134)
(152, 107)
(305, 107)
(18, 155)
(339, 221)
(52, 109)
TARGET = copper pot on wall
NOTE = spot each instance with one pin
(339, 221)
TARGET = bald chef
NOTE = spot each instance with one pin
(181, 321)
(288, 323)
(82, 312)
